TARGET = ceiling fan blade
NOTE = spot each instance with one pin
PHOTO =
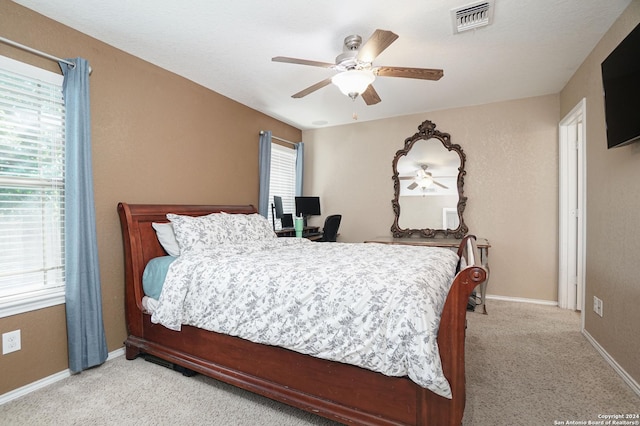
(312, 88)
(406, 177)
(414, 185)
(405, 72)
(302, 62)
(439, 184)
(370, 96)
(379, 40)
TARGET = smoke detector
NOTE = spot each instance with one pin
(472, 16)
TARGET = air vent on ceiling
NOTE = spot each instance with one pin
(472, 16)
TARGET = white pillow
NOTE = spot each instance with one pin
(248, 227)
(167, 238)
(199, 233)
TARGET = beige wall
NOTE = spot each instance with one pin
(511, 183)
(156, 138)
(613, 201)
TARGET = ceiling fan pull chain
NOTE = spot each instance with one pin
(355, 112)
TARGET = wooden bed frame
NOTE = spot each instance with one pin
(341, 392)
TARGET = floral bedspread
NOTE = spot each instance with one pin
(372, 305)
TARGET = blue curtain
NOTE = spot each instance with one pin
(265, 172)
(85, 329)
(299, 167)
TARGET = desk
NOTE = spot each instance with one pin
(452, 243)
(310, 232)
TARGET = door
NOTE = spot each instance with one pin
(572, 209)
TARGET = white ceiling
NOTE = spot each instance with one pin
(532, 48)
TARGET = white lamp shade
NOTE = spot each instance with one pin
(353, 81)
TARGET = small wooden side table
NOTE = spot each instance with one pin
(451, 243)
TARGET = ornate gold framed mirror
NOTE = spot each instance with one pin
(428, 183)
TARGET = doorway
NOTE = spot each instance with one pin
(572, 200)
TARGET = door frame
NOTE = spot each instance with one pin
(572, 190)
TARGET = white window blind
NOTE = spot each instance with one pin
(283, 179)
(32, 140)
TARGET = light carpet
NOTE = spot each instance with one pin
(526, 365)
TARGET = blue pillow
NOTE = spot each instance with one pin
(154, 274)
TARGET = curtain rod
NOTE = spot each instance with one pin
(37, 52)
(279, 139)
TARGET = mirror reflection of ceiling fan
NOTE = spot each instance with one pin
(422, 179)
(356, 72)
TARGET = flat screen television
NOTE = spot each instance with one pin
(621, 84)
(307, 206)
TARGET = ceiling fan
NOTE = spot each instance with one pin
(422, 179)
(356, 71)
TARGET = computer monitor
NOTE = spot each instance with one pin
(277, 201)
(287, 220)
(307, 206)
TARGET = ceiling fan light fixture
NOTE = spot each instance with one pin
(425, 182)
(424, 179)
(353, 82)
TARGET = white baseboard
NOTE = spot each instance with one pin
(523, 300)
(115, 354)
(39, 384)
(635, 386)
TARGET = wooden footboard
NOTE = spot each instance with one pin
(341, 392)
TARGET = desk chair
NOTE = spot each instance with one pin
(330, 230)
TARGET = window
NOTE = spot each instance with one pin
(32, 140)
(283, 179)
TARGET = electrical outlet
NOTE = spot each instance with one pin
(597, 306)
(11, 342)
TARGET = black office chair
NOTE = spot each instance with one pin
(330, 230)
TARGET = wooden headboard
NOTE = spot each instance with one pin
(141, 244)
